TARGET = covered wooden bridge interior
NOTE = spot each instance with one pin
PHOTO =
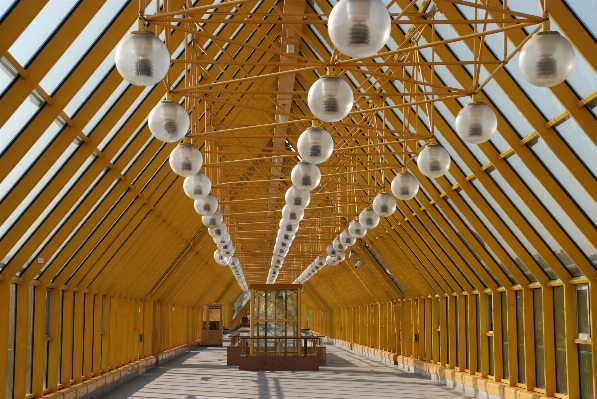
(488, 275)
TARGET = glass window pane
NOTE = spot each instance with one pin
(585, 357)
(520, 336)
(539, 350)
(505, 357)
(582, 312)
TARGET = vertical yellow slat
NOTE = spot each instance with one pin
(452, 327)
(549, 347)
(421, 327)
(67, 336)
(78, 332)
(498, 367)
(593, 326)
(90, 317)
(136, 329)
(572, 366)
(106, 325)
(472, 334)
(461, 333)
(21, 338)
(428, 330)
(484, 342)
(55, 341)
(113, 331)
(4, 315)
(39, 317)
(529, 339)
(512, 338)
(443, 322)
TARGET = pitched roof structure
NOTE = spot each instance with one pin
(89, 201)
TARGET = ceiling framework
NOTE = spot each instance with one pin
(87, 189)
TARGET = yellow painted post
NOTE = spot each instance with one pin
(452, 330)
(54, 343)
(89, 316)
(472, 333)
(593, 326)
(4, 315)
(443, 330)
(428, 330)
(98, 336)
(498, 368)
(78, 334)
(549, 340)
(39, 317)
(512, 338)
(21, 339)
(572, 366)
(113, 332)
(67, 336)
(484, 342)
(421, 328)
(136, 328)
(105, 332)
(529, 339)
(461, 333)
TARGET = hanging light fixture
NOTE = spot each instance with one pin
(331, 260)
(347, 239)
(547, 59)
(206, 206)
(319, 261)
(476, 122)
(315, 145)
(234, 263)
(292, 215)
(217, 232)
(405, 186)
(338, 245)
(289, 228)
(339, 257)
(330, 250)
(384, 204)
(186, 160)
(433, 161)
(368, 218)
(220, 258)
(222, 240)
(197, 186)
(214, 220)
(142, 58)
(330, 99)
(229, 251)
(168, 121)
(359, 28)
(297, 199)
(305, 176)
(356, 230)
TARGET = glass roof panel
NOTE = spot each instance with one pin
(17, 121)
(41, 29)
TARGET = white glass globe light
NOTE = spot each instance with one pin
(206, 206)
(197, 186)
(292, 215)
(331, 260)
(433, 161)
(289, 228)
(233, 262)
(305, 176)
(368, 218)
(330, 250)
(286, 236)
(186, 160)
(330, 98)
(319, 261)
(476, 123)
(297, 199)
(405, 186)
(168, 121)
(280, 251)
(547, 59)
(142, 58)
(224, 239)
(217, 232)
(347, 239)
(356, 230)
(277, 262)
(359, 28)
(220, 258)
(315, 145)
(338, 245)
(340, 256)
(214, 220)
(384, 204)
(223, 247)
(228, 252)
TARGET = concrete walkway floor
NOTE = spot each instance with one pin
(202, 373)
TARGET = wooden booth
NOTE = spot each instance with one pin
(212, 332)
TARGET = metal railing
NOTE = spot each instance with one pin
(276, 346)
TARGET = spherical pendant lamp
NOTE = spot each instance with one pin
(338, 245)
(292, 215)
(289, 228)
(356, 230)
(224, 239)
(206, 206)
(331, 260)
(319, 261)
(223, 247)
(330, 250)
(297, 199)
(359, 28)
(277, 262)
(217, 232)
(347, 239)
(233, 262)
(305, 176)
(330, 99)
(197, 186)
(433, 161)
(186, 160)
(286, 236)
(280, 251)
(220, 258)
(214, 220)
(168, 121)
(405, 186)
(476, 123)
(229, 251)
(315, 145)
(547, 59)
(368, 218)
(340, 256)
(142, 58)
(384, 204)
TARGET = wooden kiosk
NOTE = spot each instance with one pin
(212, 333)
